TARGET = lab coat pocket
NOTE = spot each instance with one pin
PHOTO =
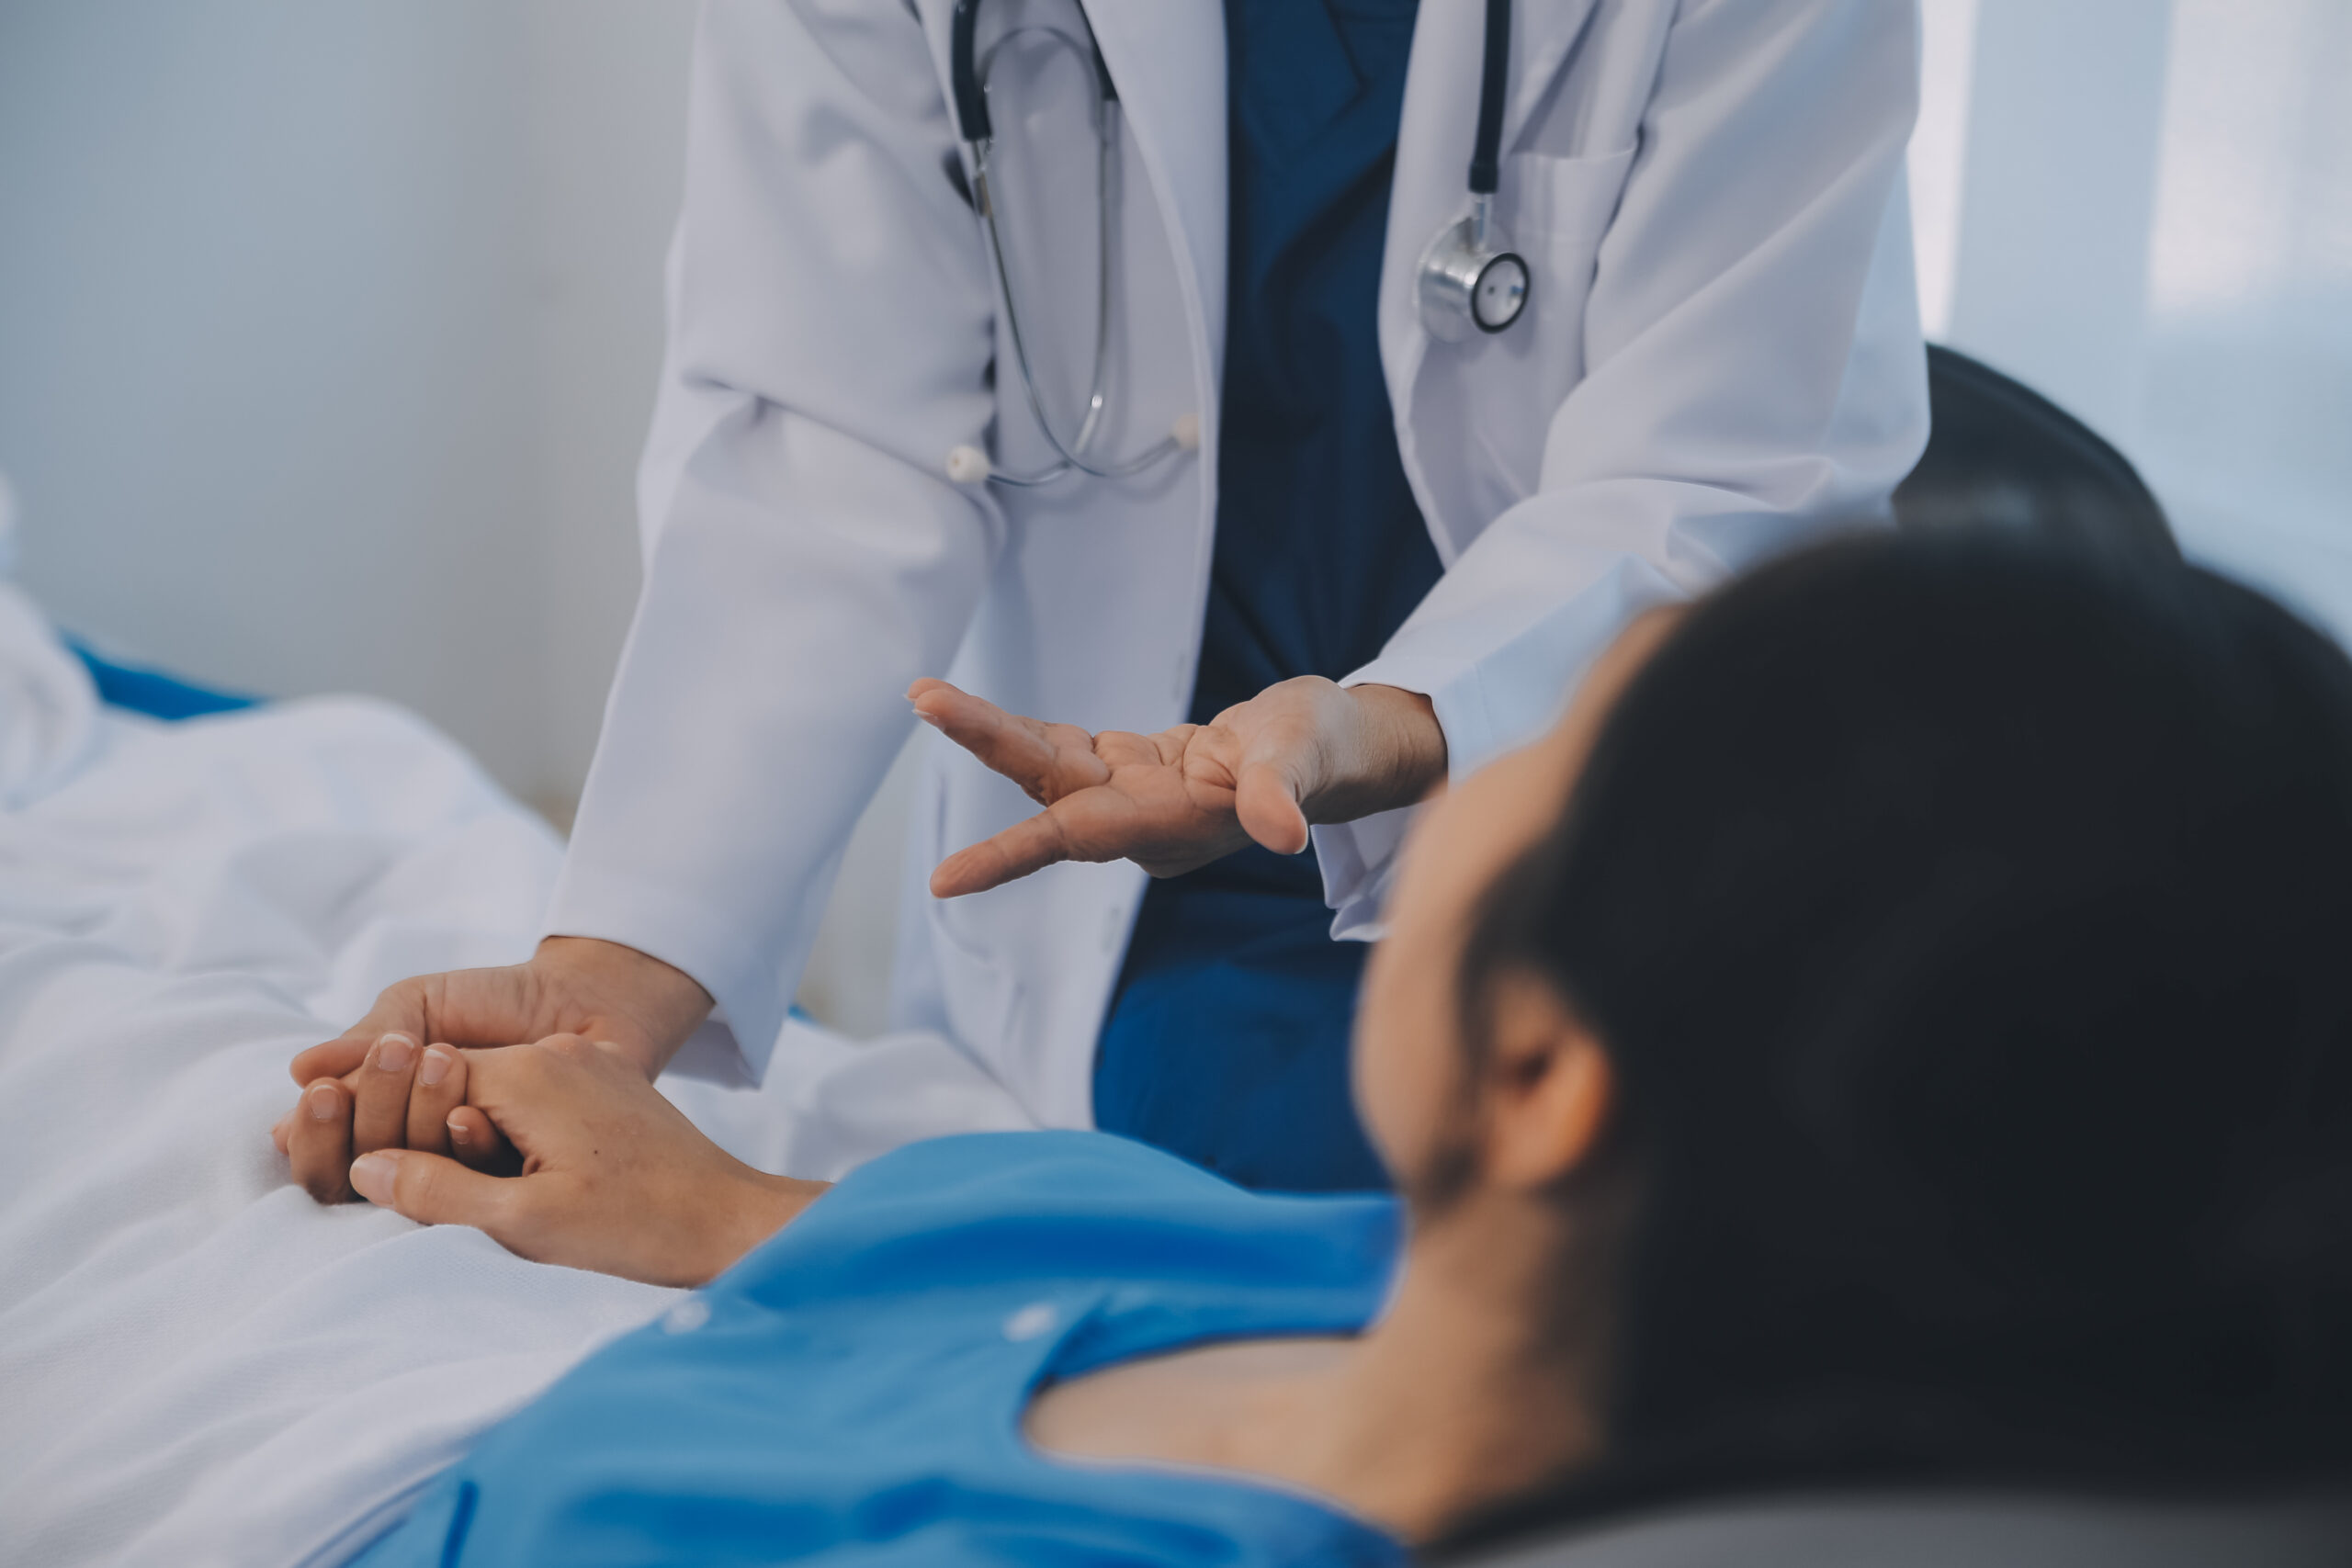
(977, 989)
(1563, 207)
(1482, 408)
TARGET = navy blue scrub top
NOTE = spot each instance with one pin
(1228, 1037)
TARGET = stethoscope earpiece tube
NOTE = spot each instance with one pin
(1494, 83)
(967, 465)
(964, 76)
(968, 73)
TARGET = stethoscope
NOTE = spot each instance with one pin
(1470, 281)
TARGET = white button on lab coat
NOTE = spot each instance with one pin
(1721, 357)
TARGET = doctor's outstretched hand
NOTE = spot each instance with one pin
(1300, 752)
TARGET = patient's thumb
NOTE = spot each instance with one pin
(427, 1189)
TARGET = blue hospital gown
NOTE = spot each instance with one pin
(853, 1390)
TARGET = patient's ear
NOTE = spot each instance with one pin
(1549, 1084)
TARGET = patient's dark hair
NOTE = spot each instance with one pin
(1970, 924)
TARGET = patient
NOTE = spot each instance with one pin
(1896, 1030)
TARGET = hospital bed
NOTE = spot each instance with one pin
(197, 1364)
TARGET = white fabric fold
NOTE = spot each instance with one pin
(49, 710)
(197, 1364)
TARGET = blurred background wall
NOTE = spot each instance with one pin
(328, 333)
(2143, 209)
(328, 328)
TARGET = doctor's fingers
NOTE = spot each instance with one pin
(319, 1143)
(1027, 846)
(1048, 760)
(400, 1009)
(468, 1007)
(331, 1059)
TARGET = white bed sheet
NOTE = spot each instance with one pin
(197, 1364)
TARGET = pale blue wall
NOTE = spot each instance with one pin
(2156, 229)
(328, 329)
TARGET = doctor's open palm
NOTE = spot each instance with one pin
(1302, 751)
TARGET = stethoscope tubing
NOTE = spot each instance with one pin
(1459, 258)
(1071, 454)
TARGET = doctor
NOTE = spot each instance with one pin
(1338, 374)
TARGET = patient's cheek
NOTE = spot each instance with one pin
(1399, 1067)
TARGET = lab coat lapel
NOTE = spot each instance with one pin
(1430, 192)
(1167, 58)
(1543, 32)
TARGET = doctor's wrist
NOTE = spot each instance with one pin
(609, 991)
(1401, 749)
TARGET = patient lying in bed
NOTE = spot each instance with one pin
(1896, 1028)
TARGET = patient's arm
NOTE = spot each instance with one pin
(1300, 751)
(614, 1179)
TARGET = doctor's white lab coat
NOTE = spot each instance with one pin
(1721, 357)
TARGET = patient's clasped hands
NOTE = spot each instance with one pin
(394, 1081)
(613, 1176)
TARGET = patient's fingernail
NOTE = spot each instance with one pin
(394, 1053)
(322, 1100)
(436, 1067)
(457, 1133)
(371, 1176)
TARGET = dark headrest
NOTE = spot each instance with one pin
(1950, 1531)
(2000, 453)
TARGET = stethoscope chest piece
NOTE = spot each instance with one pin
(1469, 283)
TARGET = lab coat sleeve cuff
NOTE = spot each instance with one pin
(735, 1046)
(1359, 859)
